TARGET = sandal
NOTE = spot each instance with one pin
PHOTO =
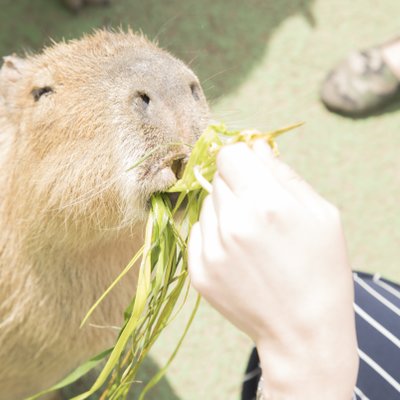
(359, 85)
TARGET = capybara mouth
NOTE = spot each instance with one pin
(173, 198)
(176, 164)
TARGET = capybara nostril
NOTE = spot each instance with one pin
(178, 167)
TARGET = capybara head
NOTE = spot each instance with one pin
(89, 130)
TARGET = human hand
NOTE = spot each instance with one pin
(269, 254)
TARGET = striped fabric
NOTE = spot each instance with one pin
(377, 308)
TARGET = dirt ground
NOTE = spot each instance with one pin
(261, 63)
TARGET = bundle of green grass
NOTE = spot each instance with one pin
(163, 283)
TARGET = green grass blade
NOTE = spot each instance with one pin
(111, 287)
(156, 378)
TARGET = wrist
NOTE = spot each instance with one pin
(308, 370)
(312, 348)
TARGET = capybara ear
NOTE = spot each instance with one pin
(11, 73)
(12, 69)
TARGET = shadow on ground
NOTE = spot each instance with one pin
(392, 106)
(222, 41)
(162, 391)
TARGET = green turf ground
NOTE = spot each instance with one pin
(261, 62)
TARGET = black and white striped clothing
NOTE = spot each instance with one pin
(377, 309)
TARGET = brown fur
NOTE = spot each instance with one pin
(71, 211)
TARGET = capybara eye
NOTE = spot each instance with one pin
(142, 100)
(145, 98)
(194, 87)
(39, 92)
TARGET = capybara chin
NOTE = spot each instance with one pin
(89, 129)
